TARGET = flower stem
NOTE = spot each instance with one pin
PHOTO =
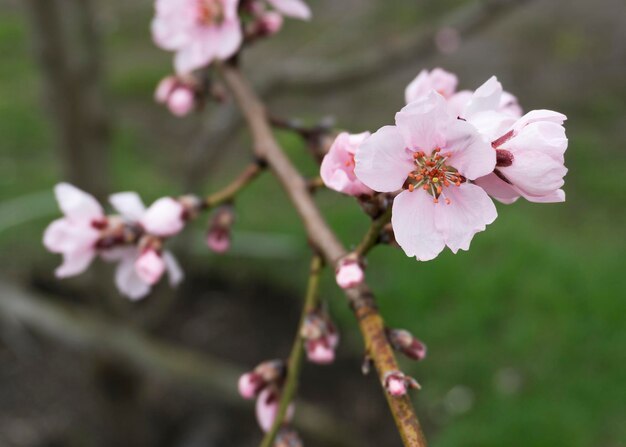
(294, 364)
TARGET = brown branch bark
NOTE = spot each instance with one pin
(325, 241)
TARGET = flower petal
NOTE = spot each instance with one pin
(422, 122)
(128, 204)
(485, 98)
(498, 188)
(126, 278)
(230, 37)
(382, 161)
(543, 136)
(469, 212)
(438, 79)
(77, 204)
(174, 272)
(413, 221)
(163, 218)
(292, 8)
(469, 152)
(64, 236)
(74, 263)
(535, 173)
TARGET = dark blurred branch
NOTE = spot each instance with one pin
(328, 245)
(311, 77)
(67, 48)
(85, 330)
(294, 364)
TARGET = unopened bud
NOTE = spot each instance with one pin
(397, 383)
(321, 337)
(270, 23)
(349, 273)
(181, 101)
(150, 266)
(219, 234)
(272, 371)
(403, 341)
(164, 89)
(319, 351)
(267, 408)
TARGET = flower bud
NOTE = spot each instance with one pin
(165, 88)
(219, 235)
(267, 408)
(319, 351)
(396, 383)
(349, 273)
(321, 337)
(150, 266)
(270, 23)
(181, 101)
(403, 341)
(250, 385)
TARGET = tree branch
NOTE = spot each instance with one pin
(326, 242)
(294, 363)
(229, 192)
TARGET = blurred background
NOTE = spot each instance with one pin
(525, 331)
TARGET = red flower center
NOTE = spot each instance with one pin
(210, 12)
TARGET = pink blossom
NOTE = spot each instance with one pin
(443, 82)
(130, 280)
(267, 408)
(199, 31)
(297, 9)
(337, 170)
(395, 384)
(530, 160)
(75, 235)
(163, 218)
(430, 155)
(349, 274)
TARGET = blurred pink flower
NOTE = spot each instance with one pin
(297, 9)
(443, 82)
(163, 218)
(75, 235)
(337, 170)
(130, 280)
(430, 154)
(199, 31)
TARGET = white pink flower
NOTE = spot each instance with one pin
(75, 235)
(530, 160)
(199, 31)
(431, 155)
(337, 169)
(530, 150)
(142, 266)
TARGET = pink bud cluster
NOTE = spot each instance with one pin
(265, 383)
(133, 238)
(218, 237)
(447, 153)
(179, 93)
(320, 337)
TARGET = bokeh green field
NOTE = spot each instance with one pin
(525, 331)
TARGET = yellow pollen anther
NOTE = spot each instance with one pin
(435, 179)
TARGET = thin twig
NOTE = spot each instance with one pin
(324, 239)
(294, 363)
(229, 192)
(372, 237)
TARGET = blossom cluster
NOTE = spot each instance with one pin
(133, 238)
(447, 154)
(202, 31)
